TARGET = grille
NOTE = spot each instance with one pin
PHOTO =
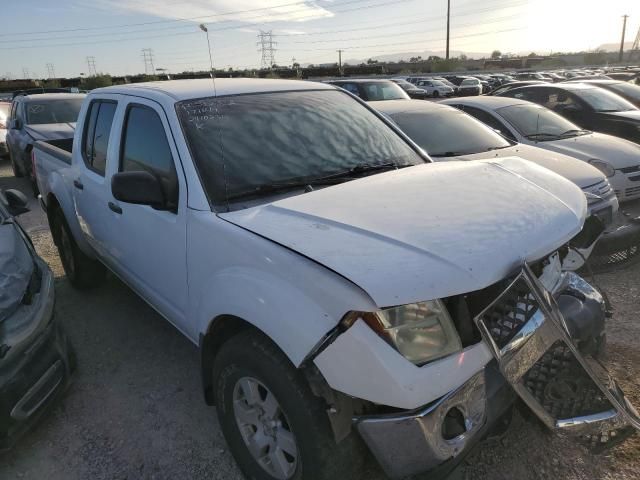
(510, 313)
(601, 189)
(632, 191)
(561, 385)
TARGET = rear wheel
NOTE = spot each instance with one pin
(436, 94)
(275, 427)
(82, 271)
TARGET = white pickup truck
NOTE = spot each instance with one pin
(345, 292)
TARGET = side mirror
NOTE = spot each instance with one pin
(16, 124)
(15, 201)
(141, 188)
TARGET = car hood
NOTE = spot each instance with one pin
(51, 131)
(620, 153)
(16, 266)
(428, 231)
(577, 171)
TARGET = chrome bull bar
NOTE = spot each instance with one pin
(569, 391)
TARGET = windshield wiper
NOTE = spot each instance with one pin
(542, 135)
(308, 184)
(574, 132)
(446, 154)
(497, 148)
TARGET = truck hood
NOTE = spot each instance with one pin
(577, 171)
(620, 153)
(51, 131)
(428, 231)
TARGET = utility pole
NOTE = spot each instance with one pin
(50, 71)
(340, 62)
(624, 30)
(91, 65)
(448, 23)
(267, 48)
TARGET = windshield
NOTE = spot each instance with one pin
(604, 101)
(471, 81)
(376, 91)
(244, 142)
(438, 83)
(53, 111)
(532, 120)
(627, 89)
(4, 114)
(447, 132)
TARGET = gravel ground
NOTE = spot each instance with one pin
(135, 408)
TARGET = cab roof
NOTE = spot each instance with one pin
(204, 87)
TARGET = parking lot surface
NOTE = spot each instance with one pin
(135, 408)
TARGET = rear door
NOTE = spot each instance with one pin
(148, 246)
(91, 185)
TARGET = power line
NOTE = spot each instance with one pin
(177, 20)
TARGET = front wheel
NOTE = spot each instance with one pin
(275, 427)
(436, 94)
(18, 170)
(82, 271)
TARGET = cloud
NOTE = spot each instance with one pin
(210, 11)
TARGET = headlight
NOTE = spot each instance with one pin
(604, 167)
(421, 332)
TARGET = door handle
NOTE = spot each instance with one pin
(115, 208)
(78, 184)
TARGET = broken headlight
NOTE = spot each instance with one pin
(421, 332)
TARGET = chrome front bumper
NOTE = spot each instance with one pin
(571, 392)
(541, 354)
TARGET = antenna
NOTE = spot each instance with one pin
(267, 48)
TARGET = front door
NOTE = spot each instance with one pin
(148, 246)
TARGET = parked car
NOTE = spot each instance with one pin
(532, 124)
(446, 133)
(589, 107)
(435, 88)
(410, 89)
(466, 85)
(4, 115)
(446, 82)
(303, 242)
(372, 90)
(46, 116)
(510, 86)
(626, 90)
(523, 76)
(36, 360)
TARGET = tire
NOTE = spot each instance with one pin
(18, 170)
(82, 271)
(250, 373)
(436, 94)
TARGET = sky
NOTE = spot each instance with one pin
(65, 32)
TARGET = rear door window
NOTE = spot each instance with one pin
(96, 135)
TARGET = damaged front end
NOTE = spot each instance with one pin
(545, 330)
(538, 353)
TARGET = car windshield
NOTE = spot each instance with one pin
(4, 114)
(470, 81)
(53, 111)
(447, 133)
(376, 91)
(626, 89)
(246, 144)
(604, 101)
(438, 83)
(538, 121)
